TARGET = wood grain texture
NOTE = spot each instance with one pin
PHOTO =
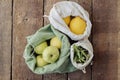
(105, 39)
(48, 4)
(79, 75)
(5, 39)
(118, 49)
(27, 19)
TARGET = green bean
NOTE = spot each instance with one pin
(80, 54)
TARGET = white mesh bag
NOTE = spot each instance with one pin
(66, 8)
(86, 45)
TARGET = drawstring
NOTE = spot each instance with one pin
(45, 16)
(84, 71)
(91, 63)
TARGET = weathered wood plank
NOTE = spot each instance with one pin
(106, 29)
(48, 4)
(118, 75)
(79, 75)
(27, 19)
(118, 49)
(5, 39)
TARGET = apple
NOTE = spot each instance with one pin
(55, 41)
(39, 49)
(40, 61)
(50, 54)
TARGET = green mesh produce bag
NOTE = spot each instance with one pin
(62, 65)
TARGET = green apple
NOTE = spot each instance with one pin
(40, 61)
(50, 54)
(55, 41)
(39, 49)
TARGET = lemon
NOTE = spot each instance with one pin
(67, 20)
(56, 42)
(77, 25)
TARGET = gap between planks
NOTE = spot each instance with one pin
(11, 37)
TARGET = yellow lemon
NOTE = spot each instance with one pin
(77, 25)
(56, 42)
(67, 20)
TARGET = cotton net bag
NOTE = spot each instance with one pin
(86, 45)
(62, 65)
(63, 9)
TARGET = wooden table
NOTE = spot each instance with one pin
(20, 18)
